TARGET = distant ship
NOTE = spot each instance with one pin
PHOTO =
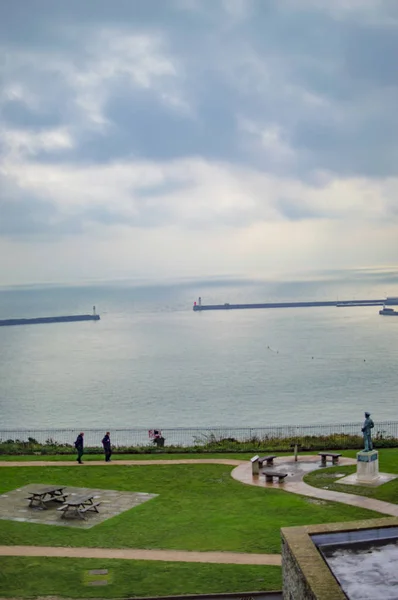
(388, 312)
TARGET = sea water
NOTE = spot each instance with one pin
(152, 359)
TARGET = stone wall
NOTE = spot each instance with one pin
(295, 586)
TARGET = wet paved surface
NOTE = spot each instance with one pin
(381, 480)
(15, 507)
(294, 483)
(285, 464)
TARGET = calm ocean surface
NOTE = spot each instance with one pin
(152, 362)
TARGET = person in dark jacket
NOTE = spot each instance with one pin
(158, 439)
(79, 445)
(106, 442)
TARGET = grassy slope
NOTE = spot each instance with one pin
(388, 463)
(198, 508)
(27, 577)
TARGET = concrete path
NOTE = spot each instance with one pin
(231, 558)
(296, 485)
(95, 463)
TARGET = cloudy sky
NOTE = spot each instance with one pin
(191, 138)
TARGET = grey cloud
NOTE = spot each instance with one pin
(329, 82)
(26, 218)
(371, 56)
(294, 211)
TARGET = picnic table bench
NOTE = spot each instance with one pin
(77, 506)
(332, 455)
(39, 497)
(269, 476)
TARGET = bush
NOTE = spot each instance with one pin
(207, 444)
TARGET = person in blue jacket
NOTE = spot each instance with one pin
(106, 442)
(79, 445)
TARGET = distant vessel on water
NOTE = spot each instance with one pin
(41, 320)
(388, 312)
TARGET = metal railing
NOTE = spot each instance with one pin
(203, 436)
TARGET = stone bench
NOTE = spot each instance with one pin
(332, 455)
(266, 459)
(258, 462)
(269, 476)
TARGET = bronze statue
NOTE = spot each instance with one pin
(367, 435)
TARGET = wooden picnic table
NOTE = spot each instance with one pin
(77, 506)
(40, 496)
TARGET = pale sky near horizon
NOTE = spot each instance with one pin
(196, 138)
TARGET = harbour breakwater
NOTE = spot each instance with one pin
(41, 320)
(198, 306)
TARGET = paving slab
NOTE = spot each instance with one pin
(14, 506)
(352, 480)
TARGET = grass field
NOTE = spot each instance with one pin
(70, 578)
(199, 507)
(393, 452)
(116, 457)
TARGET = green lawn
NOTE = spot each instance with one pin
(30, 577)
(199, 507)
(164, 456)
(388, 463)
(116, 457)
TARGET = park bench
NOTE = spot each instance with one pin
(266, 459)
(332, 455)
(269, 476)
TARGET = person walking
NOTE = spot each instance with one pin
(106, 442)
(79, 445)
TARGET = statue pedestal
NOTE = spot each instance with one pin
(367, 466)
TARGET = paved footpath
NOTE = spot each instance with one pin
(296, 485)
(233, 558)
(95, 463)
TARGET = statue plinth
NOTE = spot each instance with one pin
(367, 466)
